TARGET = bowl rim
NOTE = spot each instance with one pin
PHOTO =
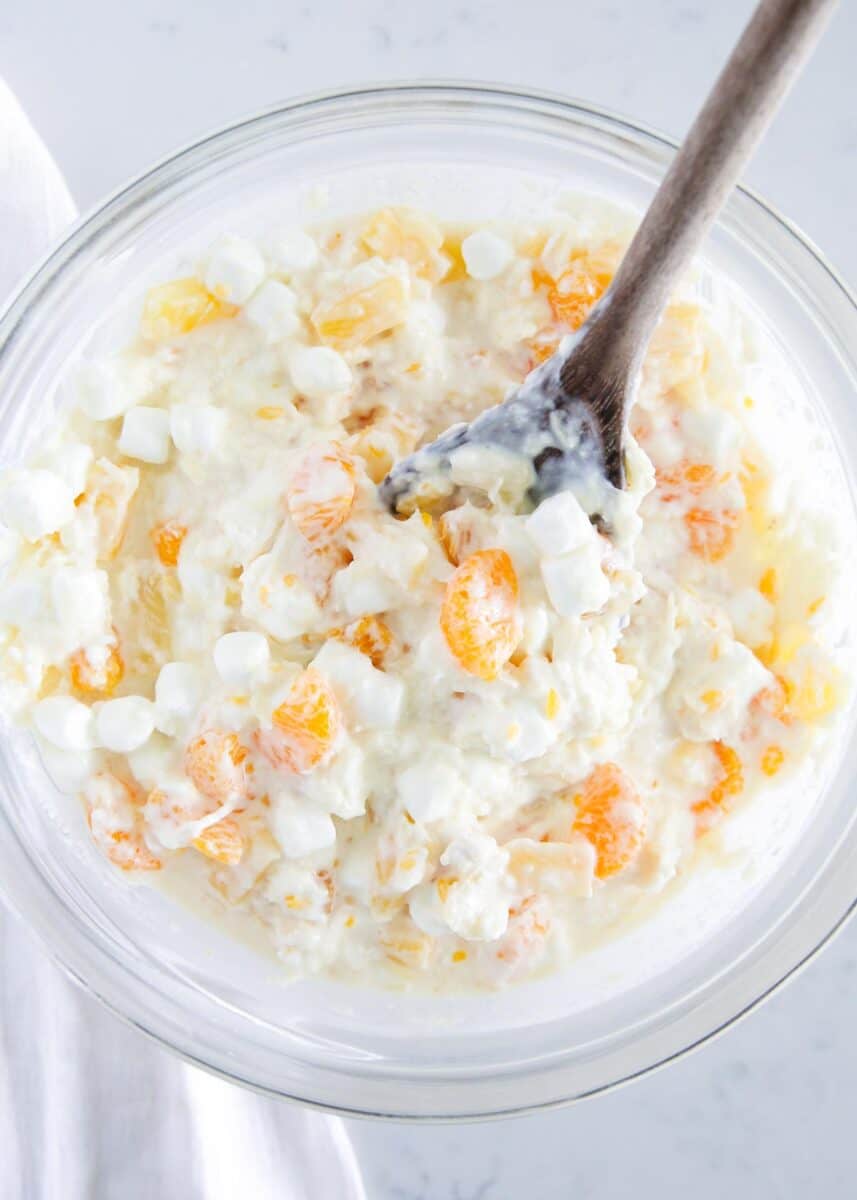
(88, 226)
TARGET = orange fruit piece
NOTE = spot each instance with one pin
(215, 764)
(689, 477)
(573, 296)
(100, 677)
(113, 819)
(772, 759)
(529, 923)
(712, 535)
(222, 842)
(774, 701)
(730, 783)
(541, 347)
(612, 817)
(321, 493)
(371, 636)
(178, 307)
(305, 726)
(167, 540)
(479, 615)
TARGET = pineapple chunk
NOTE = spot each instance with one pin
(401, 233)
(178, 307)
(357, 317)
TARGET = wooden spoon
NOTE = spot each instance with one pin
(566, 423)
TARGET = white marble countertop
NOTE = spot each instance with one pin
(762, 1112)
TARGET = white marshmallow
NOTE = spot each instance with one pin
(35, 503)
(241, 657)
(81, 602)
(64, 722)
(273, 309)
(374, 700)
(292, 250)
(559, 525)
(123, 725)
(485, 254)
(178, 691)
(575, 582)
(197, 429)
(318, 371)
(235, 269)
(146, 434)
(71, 462)
(428, 790)
(100, 393)
(299, 827)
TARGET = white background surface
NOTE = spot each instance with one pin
(767, 1110)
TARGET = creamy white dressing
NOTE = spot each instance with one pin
(450, 750)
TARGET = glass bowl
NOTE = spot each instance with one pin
(724, 941)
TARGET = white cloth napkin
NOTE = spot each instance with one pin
(90, 1109)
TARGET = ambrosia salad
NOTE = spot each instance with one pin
(434, 748)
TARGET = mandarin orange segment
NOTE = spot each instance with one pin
(167, 540)
(729, 783)
(772, 759)
(690, 478)
(712, 534)
(215, 763)
(455, 531)
(576, 292)
(180, 306)
(222, 842)
(321, 493)
(773, 701)
(132, 854)
(529, 923)
(611, 816)
(479, 616)
(305, 726)
(359, 316)
(541, 347)
(371, 636)
(96, 674)
(114, 822)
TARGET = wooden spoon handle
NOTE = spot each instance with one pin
(745, 97)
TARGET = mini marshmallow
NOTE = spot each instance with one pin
(273, 309)
(292, 250)
(428, 791)
(318, 371)
(374, 699)
(235, 269)
(146, 434)
(575, 582)
(197, 429)
(71, 462)
(64, 722)
(100, 393)
(485, 254)
(125, 724)
(241, 657)
(35, 503)
(300, 828)
(81, 602)
(559, 525)
(178, 691)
